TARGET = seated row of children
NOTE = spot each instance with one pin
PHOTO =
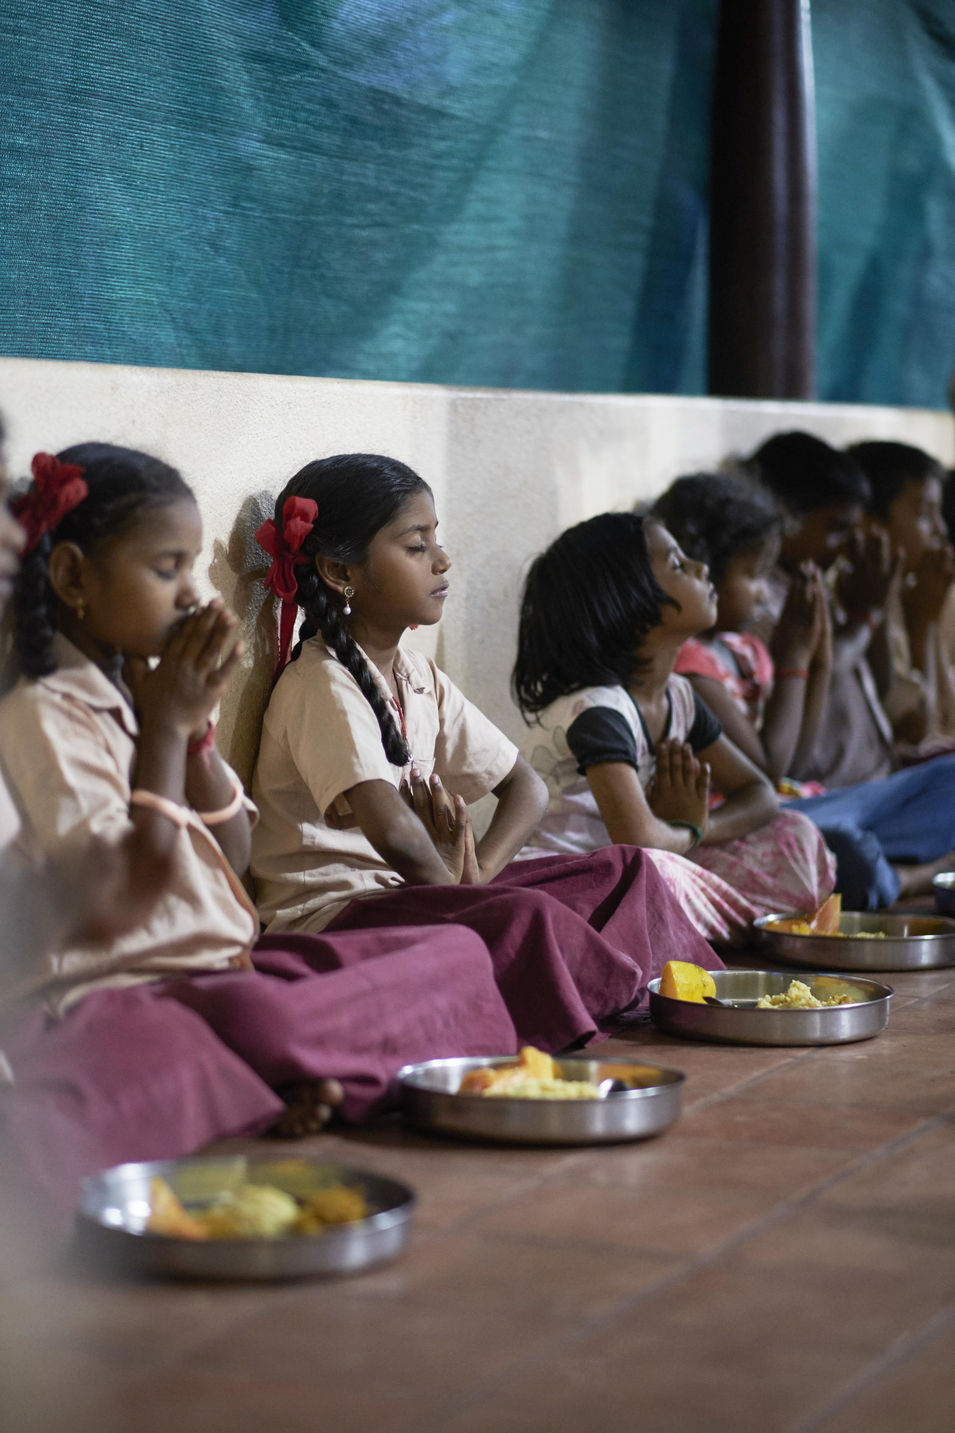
(850, 555)
(162, 1019)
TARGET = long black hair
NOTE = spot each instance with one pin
(588, 602)
(357, 495)
(716, 516)
(123, 484)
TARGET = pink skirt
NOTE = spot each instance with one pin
(784, 866)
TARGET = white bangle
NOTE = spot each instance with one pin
(226, 813)
(154, 802)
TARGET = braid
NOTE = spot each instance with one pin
(322, 615)
(34, 608)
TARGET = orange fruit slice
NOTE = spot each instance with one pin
(168, 1216)
(683, 981)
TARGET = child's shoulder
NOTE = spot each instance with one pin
(567, 708)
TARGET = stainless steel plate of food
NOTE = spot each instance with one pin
(242, 1217)
(880, 941)
(612, 1100)
(861, 1012)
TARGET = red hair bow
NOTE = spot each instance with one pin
(298, 519)
(57, 489)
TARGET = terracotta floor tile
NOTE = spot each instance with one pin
(138, 1321)
(816, 1306)
(635, 1376)
(819, 1124)
(604, 1215)
(682, 1160)
(916, 1394)
(434, 1337)
(911, 1189)
(780, 1261)
(818, 1234)
(913, 1073)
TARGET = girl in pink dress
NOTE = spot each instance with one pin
(628, 752)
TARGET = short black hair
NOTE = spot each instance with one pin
(889, 466)
(715, 516)
(804, 472)
(587, 603)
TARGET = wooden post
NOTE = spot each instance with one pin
(762, 203)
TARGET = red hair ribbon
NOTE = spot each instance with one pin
(57, 489)
(298, 519)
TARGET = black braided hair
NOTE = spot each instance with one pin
(357, 495)
(123, 484)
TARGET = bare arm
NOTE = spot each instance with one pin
(735, 723)
(398, 834)
(817, 688)
(628, 816)
(521, 801)
(750, 800)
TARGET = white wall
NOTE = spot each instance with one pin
(509, 470)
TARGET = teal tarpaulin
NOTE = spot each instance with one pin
(505, 194)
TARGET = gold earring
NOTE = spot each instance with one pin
(348, 593)
(80, 611)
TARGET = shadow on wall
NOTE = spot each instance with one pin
(241, 564)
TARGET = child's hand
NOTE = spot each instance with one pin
(865, 582)
(680, 790)
(821, 655)
(796, 633)
(924, 589)
(192, 673)
(445, 818)
(471, 873)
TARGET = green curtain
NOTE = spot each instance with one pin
(450, 191)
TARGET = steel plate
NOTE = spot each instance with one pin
(743, 1024)
(903, 943)
(115, 1204)
(650, 1103)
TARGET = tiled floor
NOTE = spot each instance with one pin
(781, 1261)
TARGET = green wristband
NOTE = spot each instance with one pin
(690, 826)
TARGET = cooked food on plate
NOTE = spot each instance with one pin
(533, 1077)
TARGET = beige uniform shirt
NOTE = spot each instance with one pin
(67, 748)
(320, 737)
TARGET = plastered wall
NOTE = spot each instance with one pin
(509, 470)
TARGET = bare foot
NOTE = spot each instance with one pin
(309, 1107)
(917, 880)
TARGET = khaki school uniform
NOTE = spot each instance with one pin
(320, 737)
(67, 751)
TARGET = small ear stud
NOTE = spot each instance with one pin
(348, 593)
